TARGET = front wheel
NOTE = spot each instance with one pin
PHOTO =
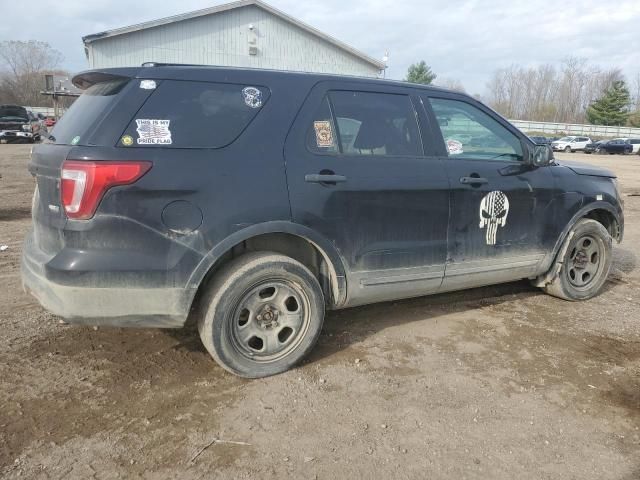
(586, 263)
(261, 315)
(567, 149)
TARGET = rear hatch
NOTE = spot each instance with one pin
(73, 129)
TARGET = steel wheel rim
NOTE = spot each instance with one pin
(585, 262)
(270, 320)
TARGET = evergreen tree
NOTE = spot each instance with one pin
(420, 73)
(611, 108)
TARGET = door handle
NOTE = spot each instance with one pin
(324, 178)
(473, 180)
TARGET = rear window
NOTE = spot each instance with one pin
(183, 114)
(85, 111)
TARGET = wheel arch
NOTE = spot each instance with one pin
(602, 212)
(291, 239)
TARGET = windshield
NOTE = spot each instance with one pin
(10, 112)
(566, 139)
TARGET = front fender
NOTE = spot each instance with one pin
(326, 248)
(582, 213)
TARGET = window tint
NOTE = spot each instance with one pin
(85, 111)
(375, 124)
(195, 114)
(470, 133)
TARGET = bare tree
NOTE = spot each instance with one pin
(24, 65)
(545, 93)
(451, 84)
(635, 92)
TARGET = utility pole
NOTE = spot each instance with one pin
(385, 59)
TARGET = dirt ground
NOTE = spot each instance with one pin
(501, 382)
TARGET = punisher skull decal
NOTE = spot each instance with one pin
(494, 209)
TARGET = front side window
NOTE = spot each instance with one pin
(469, 132)
(183, 114)
(365, 123)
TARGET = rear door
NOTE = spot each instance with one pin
(498, 202)
(615, 146)
(362, 174)
(582, 142)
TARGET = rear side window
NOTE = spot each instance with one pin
(181, 114)
(89, 108)
(365, 123)
(321, 137)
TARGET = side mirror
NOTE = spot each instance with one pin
(542, 155)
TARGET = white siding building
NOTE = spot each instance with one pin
(246, 33)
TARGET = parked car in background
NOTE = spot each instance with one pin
(570, 144)
(237, 198)
(635, 145)
(617, 145)
(17, 123)
(540, 140)
(50, 122)
(593, 147)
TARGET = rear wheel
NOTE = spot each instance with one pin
(261, 314)
(586, 263)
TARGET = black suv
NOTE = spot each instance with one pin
(253, 200)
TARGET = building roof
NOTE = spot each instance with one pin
(230, 6)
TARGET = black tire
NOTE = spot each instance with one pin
(567, 149)
(586, 263)
(229, 311)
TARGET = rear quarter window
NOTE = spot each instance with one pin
(183, 114)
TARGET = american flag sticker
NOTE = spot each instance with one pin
(153, 132)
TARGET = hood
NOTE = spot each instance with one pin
(586, 169)
(13, 113)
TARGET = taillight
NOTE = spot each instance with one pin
(83, 184)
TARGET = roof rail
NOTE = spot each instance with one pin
(160, 64)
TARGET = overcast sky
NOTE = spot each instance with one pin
(466, 42)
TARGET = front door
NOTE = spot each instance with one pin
(362, 174)
(498, 202)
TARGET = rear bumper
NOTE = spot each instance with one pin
(119, 305)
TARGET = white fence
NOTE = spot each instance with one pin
(46, 111)
(576, 129)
